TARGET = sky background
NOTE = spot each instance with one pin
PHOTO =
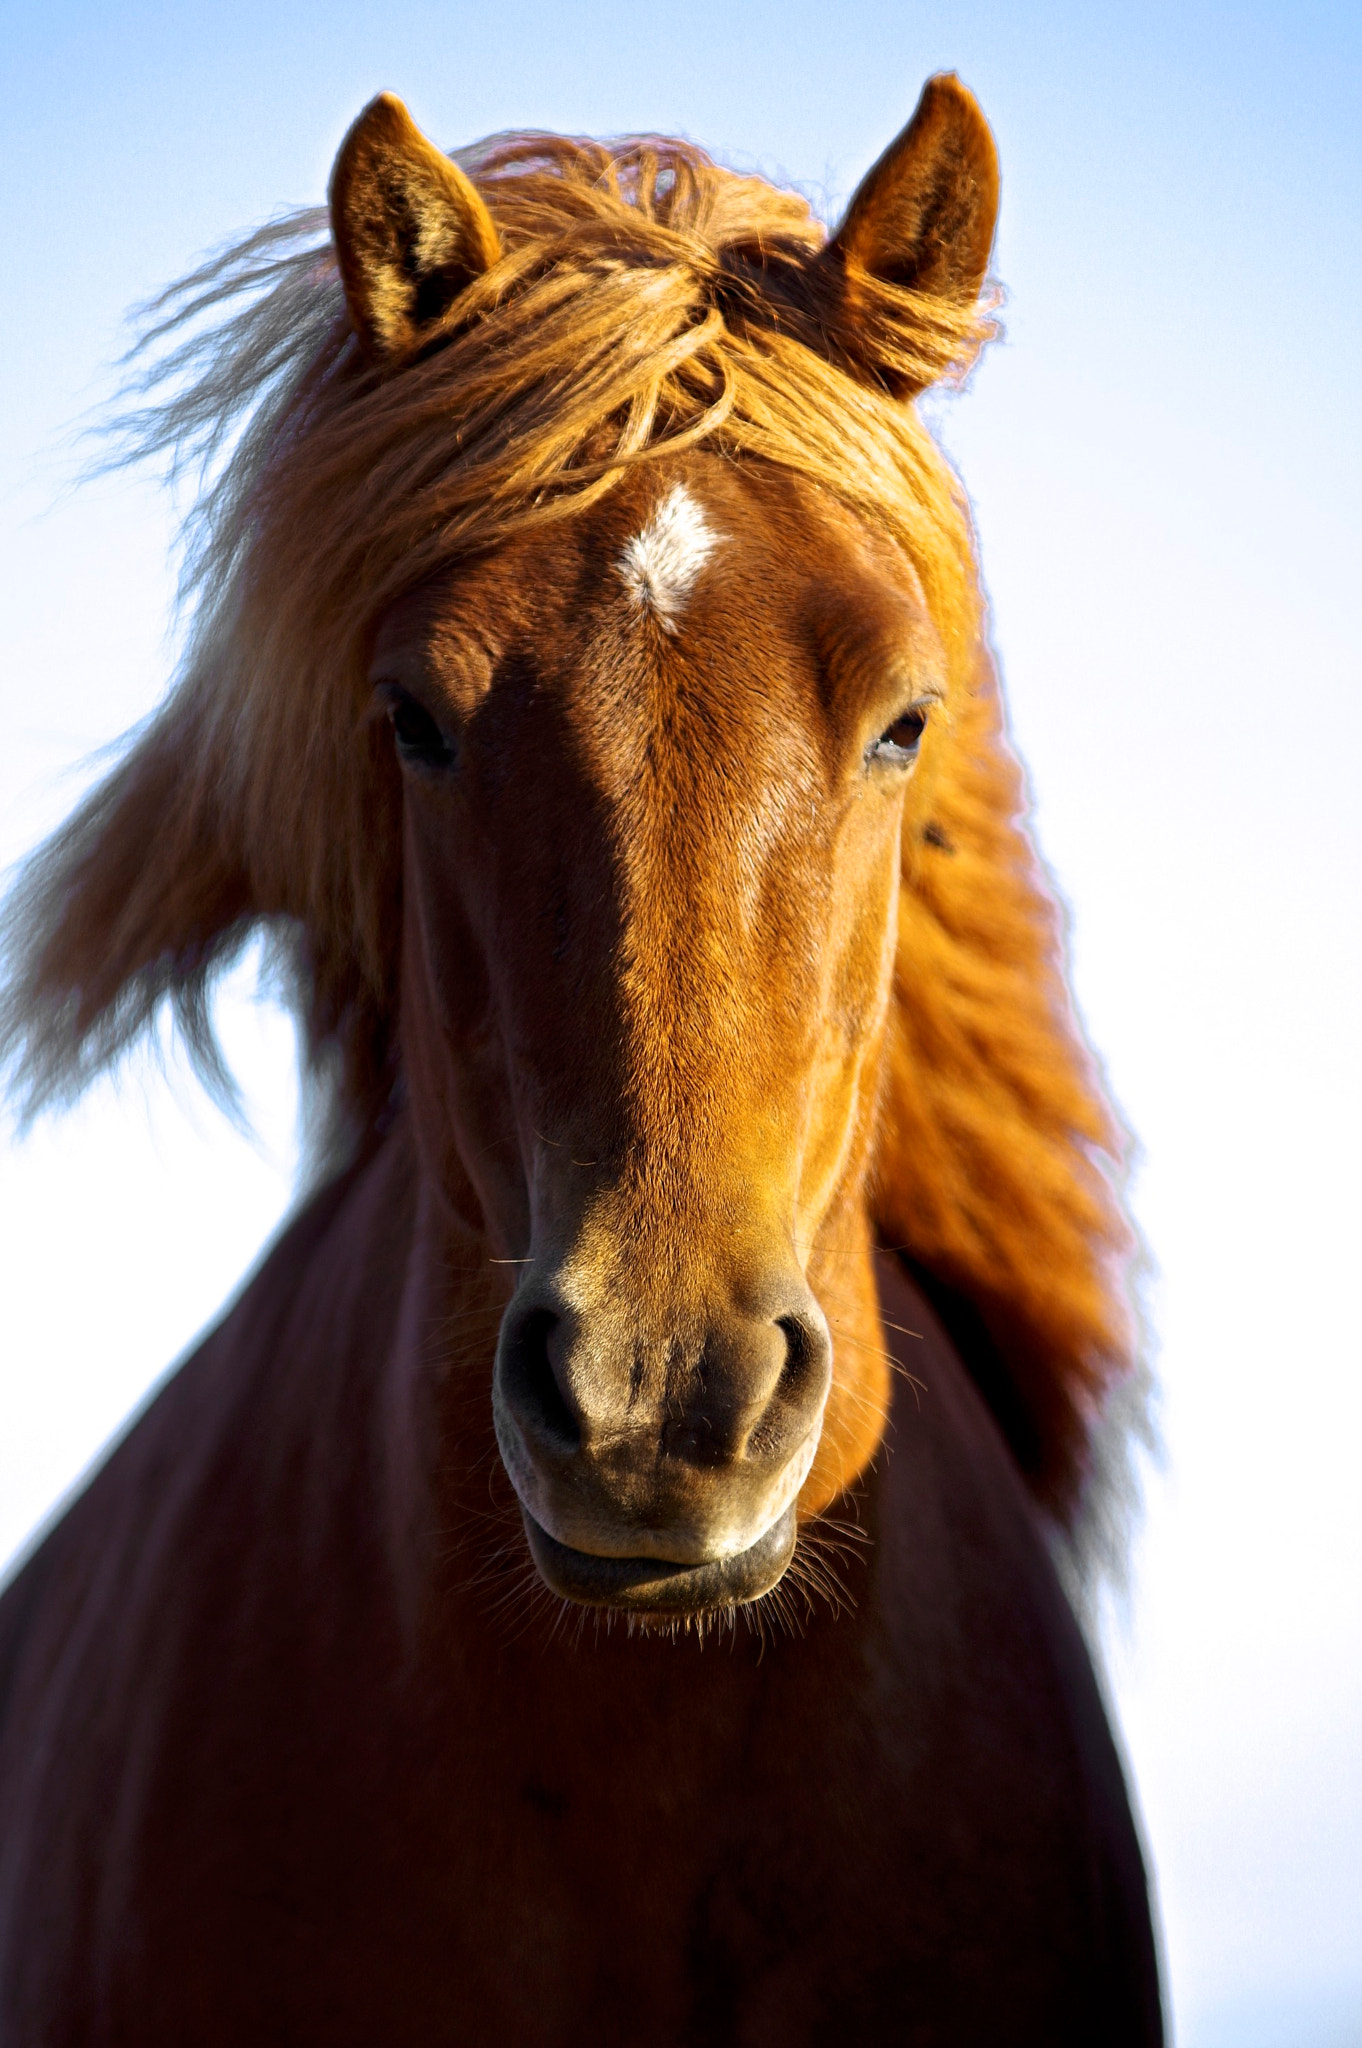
(1164, 457)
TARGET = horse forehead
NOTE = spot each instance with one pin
(661, 563)
(709, 647)
(725, 595)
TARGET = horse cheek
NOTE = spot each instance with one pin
(452, 1053)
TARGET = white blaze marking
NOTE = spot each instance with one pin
(661, 564)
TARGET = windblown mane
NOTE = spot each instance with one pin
(644, 300)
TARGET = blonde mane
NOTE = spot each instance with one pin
(644, 300)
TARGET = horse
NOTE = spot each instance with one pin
(602, 1580)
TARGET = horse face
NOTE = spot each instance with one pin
(654, 762)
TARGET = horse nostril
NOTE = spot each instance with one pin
(805, 1360)
(530, 1385)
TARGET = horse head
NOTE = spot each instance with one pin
(654, 759)
(654, 767)
(588, 689)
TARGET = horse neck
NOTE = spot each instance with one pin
(440, 1467)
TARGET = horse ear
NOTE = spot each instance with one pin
(923, 217)
(410, 229)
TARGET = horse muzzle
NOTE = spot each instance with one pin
(658, 1471)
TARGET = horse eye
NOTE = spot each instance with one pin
(418, 737)
(899, 744)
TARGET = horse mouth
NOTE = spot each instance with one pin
(653, 1585)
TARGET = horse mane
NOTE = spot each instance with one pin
(645, 300)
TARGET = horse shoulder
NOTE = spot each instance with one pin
(141, 1603)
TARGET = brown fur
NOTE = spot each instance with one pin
(643, 302)
(679, 935)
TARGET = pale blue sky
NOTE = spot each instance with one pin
(1163, 457)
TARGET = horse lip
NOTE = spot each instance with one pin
(654, 1585)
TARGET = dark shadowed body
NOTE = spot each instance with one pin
(579, 1594)
(902, 1822)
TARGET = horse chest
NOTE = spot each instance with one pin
(905, 1817)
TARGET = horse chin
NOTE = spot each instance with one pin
(653, 1586)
